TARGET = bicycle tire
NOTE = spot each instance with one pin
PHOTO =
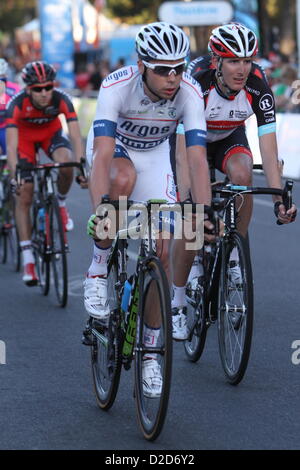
(235, 310)
(41, 258)
(106, 357)
(14, 246)
(197, 323)
(3, 245)
(58, 252)
(151, 412)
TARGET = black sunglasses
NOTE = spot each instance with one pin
(165, 70)
(39, 89)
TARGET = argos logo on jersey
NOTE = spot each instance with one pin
(122, 74)
(144, 130)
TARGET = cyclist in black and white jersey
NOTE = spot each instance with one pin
(138, 108)
(234, 88)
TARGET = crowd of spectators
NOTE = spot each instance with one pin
(282, 75)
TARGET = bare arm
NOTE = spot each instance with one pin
(182, 169)
(12, 136)
(269, 155)
(100, 175)
(199, 174)
(76, 140)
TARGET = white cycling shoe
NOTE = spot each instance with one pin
(152, 379)
(179, 323)
(95, 297)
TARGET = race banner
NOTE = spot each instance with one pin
(57, 38)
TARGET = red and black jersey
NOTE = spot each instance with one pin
(204, 63)
(223, 115)
(22, 113)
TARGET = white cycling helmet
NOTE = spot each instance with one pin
(3, 67)
(162, 41)
(233, 40)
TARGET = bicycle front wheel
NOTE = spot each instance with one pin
(42, 260)
(14, 251)
(196, 320)
(154, 315)
(106, 347)
(235, 308)
(58, 252)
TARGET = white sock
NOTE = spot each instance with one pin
(61, 199)
(196, 269)
(150, 339)
(234, 255)
(178, 299)
(27, 253)
(99, 262)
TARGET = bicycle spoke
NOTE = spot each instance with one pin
(106, 348)
(235, 310)
(153, 351)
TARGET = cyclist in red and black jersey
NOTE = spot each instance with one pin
(33, 122)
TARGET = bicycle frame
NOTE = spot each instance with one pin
(128, 320)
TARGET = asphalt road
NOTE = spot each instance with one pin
(46, 395)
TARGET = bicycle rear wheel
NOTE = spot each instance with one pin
(58, 252)
(3, 244)
(42, 259)
(106, 348)
(235, 308)
(154, 310)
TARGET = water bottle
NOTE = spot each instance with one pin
(126, 296)
(41, 219)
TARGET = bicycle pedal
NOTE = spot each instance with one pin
(87, 337)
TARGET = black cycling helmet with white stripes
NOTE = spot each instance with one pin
(162, 41)
(35, 73)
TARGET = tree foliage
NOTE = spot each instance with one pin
(14, 13)
(134, 11)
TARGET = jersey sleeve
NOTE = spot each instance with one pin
(199, 64)
(66, 107)
(263, 106)
(13, 111)
(194, 118)
(107, 112)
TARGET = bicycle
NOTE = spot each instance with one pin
(217, 296)
(120, 341)
(9, 240)
(49, 238)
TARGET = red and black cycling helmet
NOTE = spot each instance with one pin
(233, 40)
(35, 73)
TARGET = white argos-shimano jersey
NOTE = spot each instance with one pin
(142, 126)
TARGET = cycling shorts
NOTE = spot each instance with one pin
(153, 168)
(30, 142)
(219, 152)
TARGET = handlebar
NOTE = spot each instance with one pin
(47, 167)
(231, 189)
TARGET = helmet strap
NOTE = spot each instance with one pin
(221, 86)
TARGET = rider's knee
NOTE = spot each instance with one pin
(240, 170)
(123, 181)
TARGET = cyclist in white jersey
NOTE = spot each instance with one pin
(138, 109)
